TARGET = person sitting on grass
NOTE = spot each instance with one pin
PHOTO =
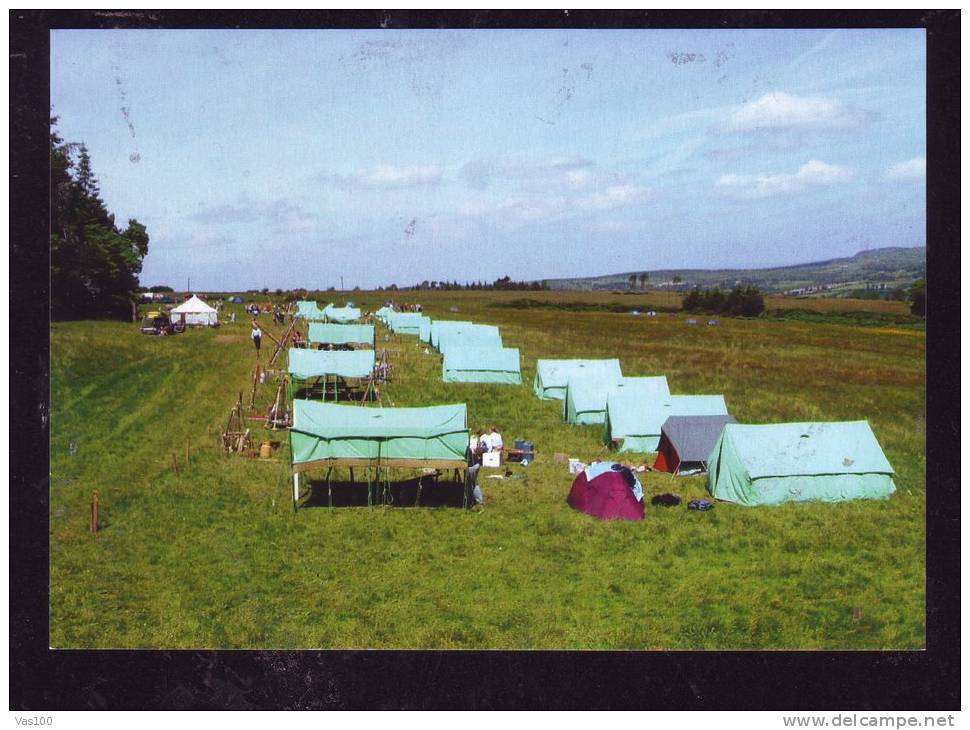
(495, 440)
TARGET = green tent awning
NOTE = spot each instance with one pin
(305, 364)
(341, 334)
(326, 431)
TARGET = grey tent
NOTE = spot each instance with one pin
(686, 442)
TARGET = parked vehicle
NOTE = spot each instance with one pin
(158, 323)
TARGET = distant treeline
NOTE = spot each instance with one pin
(505, 283)
(746, 302)
(574, 306)
(94, 263)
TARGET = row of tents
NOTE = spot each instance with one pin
(745, 463)
(631, 409)
(310, 310)
(471, 353)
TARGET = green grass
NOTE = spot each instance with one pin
(216, 557)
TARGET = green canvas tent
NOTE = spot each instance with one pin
(306, 364)
(585, 401)
(327, 435)
(341, 315)
(553, 375)
(634, 413)
(635, 416)
(326, 432)
(328, 369)
(383, 313)
(474, 335)
(440, 325)
(770, 464)
(406, 323)
(481, 365)
(309, 310)
(342, 334)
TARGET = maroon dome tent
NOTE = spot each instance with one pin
(608, 491)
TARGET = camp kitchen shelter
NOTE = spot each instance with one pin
(309, 310)
(341, 315)
(770, 464)
(473, 335)
(481, 365)
(407, 323)
(341, 334)
(331, 369)
(195, 313)
(686, 442)
(327, 435)
(552, 376)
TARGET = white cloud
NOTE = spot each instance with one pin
(615, 196)
(781, 111)
(914, 169)
(389, 176)
(813, 174)
(558, 171)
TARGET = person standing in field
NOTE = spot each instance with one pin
(257, 335)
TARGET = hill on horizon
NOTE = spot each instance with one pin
(880, 269)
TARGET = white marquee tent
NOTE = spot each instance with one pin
(195, 312)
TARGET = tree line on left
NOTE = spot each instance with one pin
(94, 263)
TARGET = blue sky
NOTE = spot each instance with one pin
(292, 158)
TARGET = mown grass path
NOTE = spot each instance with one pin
(216, 557)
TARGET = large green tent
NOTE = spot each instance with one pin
(327, 432)
(327, 435)
(341, 334)
(407, 323)
(341, 315)
(441, 325)
(481, 365)
(383, 313)
(770, 464)
(635, 413)
(585, 401)
(474, 335)
(332, 371)
(635, 416)
(309, 310)
(553, 375)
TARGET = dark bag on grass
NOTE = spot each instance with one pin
(666, 500)
(700, 504)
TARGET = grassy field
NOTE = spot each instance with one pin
(215, 556)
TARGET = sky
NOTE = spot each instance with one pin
(306, 158)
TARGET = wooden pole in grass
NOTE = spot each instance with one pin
(187, 450)
(175, 464)
(95, 503)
